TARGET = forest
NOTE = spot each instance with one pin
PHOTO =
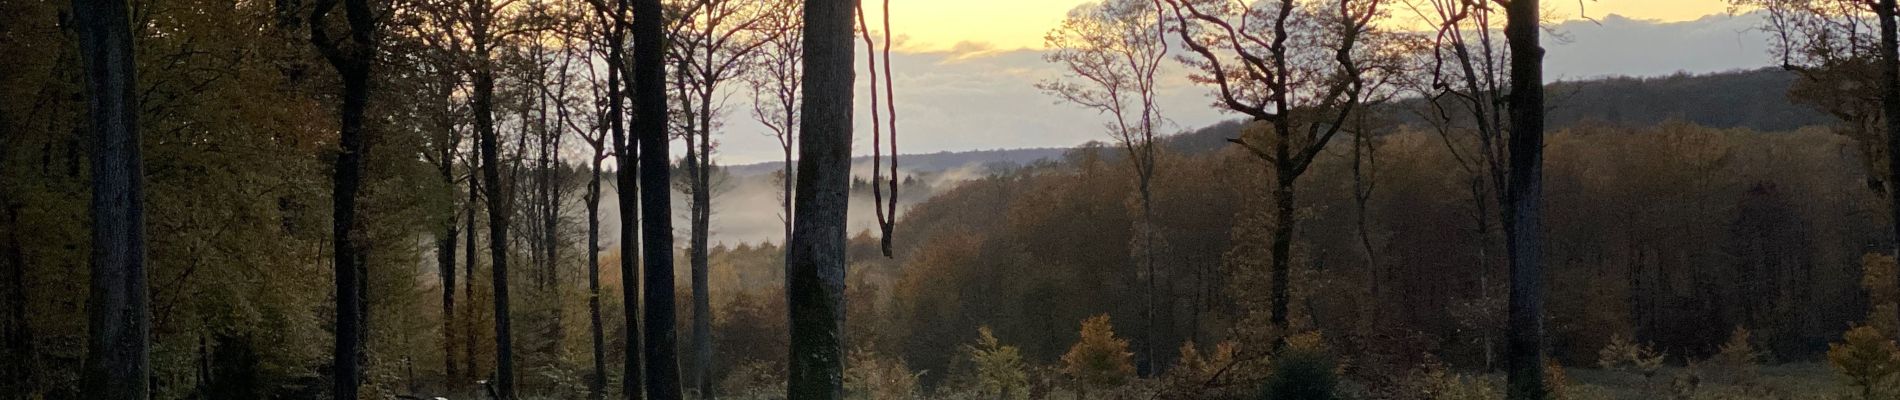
(542, 199)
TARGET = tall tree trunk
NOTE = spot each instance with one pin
(1280, 271)
(1525, 342)
(701, 160)
(815, 261)
(626, 192)
(787, 181)
(596, 384)
(650, 123)
(118, 356)
(1890, 107)
(498, 214)
(1149, 355)
(468, 284)
(445, 263)
(352, 63)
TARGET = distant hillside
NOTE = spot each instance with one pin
(934, 162)
(1756, 99)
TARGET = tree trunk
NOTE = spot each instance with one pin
(1525, 342)
(1149, 356)
(1280, 271)
(1890, 107)
(445, 264)
(596, 384)
(650, 123)
(815, 262)
(498, 214)
(627, 193)
(787, 180)
(468, 284)
(352, 63)
(118, 357)
(701, 160)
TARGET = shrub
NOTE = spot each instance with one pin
(1737, 362)
(1098, 359)
(1867, 358)
(1622, 354)
(754, 379)
(1444, 385)
(1000, 371)
(1303, 374)
(871, 377)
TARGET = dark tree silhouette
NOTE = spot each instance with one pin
(118, 345)
(1524, 345)
(352, 63)
(650, 125)
(1299, 85)
(499, 200)
(815, 261)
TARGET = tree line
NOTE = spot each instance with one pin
(427, 118)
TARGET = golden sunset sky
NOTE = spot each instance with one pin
(939, 25)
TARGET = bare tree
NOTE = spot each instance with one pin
(1294, 69)
(815, 261)
(774, 79)
(1111, 52)
(118, 346)
(715, 42)
(1467, 109)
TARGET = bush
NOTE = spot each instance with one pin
(1000, 371)
(1737, 362)
(870, 377)
(754, 379)
(1098, 359)
(1303, 374)
(1622, 354)
(1867, 358)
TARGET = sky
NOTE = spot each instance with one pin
(937, 25)
(966, 70)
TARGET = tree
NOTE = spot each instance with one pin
(1099, 359)
(1298, 84)
(714, 44)
(1524, 345)
(353, 64)
(610, 29)
(775, 81)
(815, 261)
(118, 345)
(1111, 52)
(1000, 370)
(1826, 41)
(437, 53)
(1467, 109)
(650, 125)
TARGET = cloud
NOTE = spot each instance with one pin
(1616, 45)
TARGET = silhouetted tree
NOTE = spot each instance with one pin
(118, 345)
(1524, 345)
(650, 126)
(1299, 77)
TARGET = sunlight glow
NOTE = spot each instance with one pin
(987, 25)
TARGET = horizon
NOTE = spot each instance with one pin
(964, 88)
